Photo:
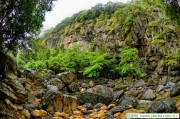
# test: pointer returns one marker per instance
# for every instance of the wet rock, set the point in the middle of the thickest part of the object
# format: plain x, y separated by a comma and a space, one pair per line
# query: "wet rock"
139, 83
148, 95
163, 106
175, 90
66, 77
56, 82
96, 95
128, 101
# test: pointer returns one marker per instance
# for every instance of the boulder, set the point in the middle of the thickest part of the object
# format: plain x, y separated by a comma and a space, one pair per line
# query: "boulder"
117, 95
165, 105
66, 77
97, 94
159, 88
31, 74
74, 86
148, 95
88, 106
52, 88
57, 102
14, 90
98, 105
139, 83
175, 90
128, 101
56, 82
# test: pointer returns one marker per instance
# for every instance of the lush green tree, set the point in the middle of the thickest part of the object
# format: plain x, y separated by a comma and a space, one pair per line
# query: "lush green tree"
20, 19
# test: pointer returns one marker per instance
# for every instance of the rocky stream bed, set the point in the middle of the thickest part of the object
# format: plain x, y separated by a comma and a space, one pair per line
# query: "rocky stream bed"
28, 95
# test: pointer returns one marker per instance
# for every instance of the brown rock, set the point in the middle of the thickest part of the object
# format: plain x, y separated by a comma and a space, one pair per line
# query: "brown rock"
19, 107
104, 108
111, 106
77, 113
57, 118
99, 115
178, 105
36, 113
56, 114
91, 83
66, 77
26, 113
66, 115
83, 109
61, 114
117, 115
43, 113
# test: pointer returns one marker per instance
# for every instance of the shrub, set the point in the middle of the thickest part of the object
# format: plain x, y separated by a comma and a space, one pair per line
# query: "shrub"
36, 65
130, 63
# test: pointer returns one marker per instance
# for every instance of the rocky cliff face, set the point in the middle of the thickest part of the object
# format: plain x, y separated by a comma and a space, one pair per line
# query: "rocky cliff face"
145, 28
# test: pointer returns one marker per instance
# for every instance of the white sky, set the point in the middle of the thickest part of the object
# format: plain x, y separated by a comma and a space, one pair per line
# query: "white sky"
66, 8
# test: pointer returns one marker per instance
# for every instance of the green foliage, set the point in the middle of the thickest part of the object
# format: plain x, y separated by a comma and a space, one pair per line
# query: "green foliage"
38, 51
19, 19
36, 65
77, 60
173, 59
130, 63
99, 64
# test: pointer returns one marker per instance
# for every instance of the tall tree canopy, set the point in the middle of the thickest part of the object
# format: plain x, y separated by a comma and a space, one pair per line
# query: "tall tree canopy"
19, 19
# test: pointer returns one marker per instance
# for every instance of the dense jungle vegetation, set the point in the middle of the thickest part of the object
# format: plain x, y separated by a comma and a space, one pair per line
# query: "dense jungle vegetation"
94, 63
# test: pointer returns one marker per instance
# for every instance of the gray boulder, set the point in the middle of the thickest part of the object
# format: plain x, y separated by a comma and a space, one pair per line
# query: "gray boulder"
175, 90
148, 95
97, 94
128, 101
139, 83
163, 106
56, 82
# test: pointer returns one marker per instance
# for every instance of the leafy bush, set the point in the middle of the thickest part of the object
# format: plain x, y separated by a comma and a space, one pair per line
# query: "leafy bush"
101, 64
36, 65
130, 63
